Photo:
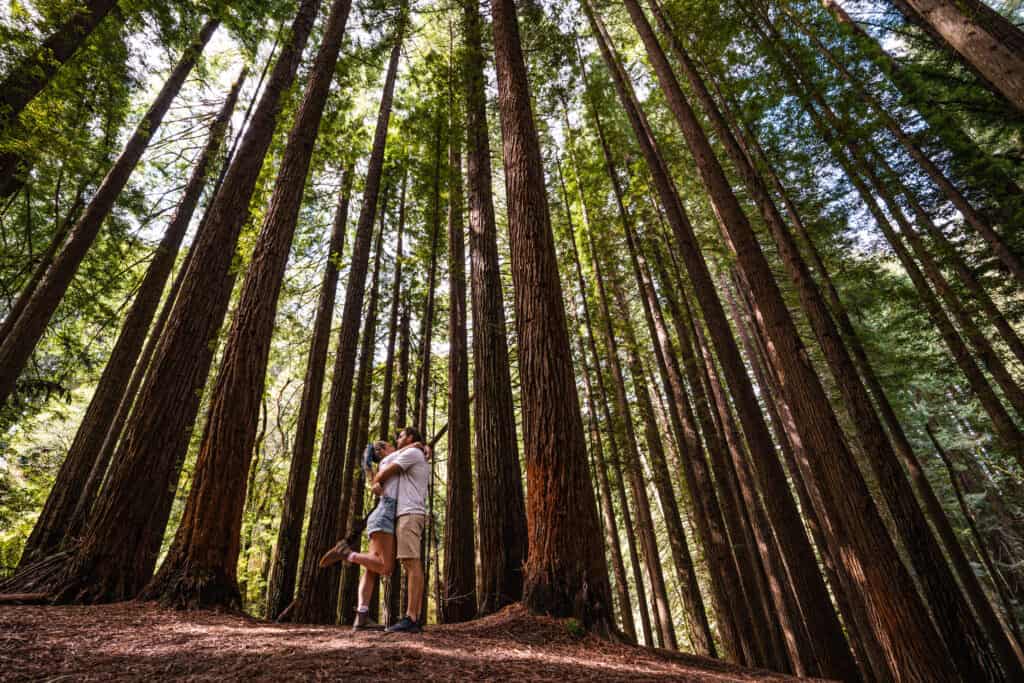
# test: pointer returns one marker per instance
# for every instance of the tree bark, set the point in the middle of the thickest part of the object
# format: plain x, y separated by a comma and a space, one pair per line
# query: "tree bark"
566, 573
459, 591
422, 390
281, 588
54, 520
121, 544
833, 653
318, 590
747, 613
28, 329
501, 513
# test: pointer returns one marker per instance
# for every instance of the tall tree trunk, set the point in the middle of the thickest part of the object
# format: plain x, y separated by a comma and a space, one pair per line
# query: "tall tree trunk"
33, 72
459, 598
994, 47
53, 522
396, 296
360, 425
645, 521
747, 612
566, 573
28, 329
832, 652
953, 615
422, 390
121, 544
501, 513
611, 531
200, 568
392, 590
281, 588
318, 590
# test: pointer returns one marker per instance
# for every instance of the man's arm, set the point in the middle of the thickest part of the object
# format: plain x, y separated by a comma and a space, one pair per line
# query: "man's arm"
385, 473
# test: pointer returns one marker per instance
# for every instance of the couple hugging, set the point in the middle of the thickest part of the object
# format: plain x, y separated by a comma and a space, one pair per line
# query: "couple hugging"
395, 526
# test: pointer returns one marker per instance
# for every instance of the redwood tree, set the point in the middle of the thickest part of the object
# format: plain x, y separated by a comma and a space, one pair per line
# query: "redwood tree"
199, 569
501, 514
566, 574
459, 591
318, 590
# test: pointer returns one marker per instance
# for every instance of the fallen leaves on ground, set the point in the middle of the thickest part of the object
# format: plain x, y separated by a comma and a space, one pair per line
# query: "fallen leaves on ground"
143, 641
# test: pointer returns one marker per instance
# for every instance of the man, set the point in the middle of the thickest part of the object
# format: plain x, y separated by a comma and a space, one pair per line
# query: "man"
411, 465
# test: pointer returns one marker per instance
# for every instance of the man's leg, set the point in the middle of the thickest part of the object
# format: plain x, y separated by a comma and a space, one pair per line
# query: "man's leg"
413, 569
409, 532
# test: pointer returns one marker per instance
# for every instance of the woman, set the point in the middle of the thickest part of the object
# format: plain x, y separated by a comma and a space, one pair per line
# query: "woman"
380, 529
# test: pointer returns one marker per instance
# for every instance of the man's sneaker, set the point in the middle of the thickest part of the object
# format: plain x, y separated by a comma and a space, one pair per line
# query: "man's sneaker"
363, 622
338, 553
406, 625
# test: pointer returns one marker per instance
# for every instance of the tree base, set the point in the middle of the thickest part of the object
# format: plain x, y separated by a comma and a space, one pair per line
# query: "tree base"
184, 586
40, 576
555, 600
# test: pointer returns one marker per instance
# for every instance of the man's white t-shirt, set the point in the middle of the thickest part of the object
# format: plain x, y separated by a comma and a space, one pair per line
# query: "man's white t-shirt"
415, 480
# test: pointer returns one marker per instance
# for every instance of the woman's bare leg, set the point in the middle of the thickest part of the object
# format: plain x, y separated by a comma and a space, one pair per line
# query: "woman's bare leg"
377, 561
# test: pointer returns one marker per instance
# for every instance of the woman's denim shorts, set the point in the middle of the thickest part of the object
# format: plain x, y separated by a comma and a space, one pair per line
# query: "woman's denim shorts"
383, 517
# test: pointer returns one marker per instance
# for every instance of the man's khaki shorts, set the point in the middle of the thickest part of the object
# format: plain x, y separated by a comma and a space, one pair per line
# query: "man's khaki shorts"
409, 532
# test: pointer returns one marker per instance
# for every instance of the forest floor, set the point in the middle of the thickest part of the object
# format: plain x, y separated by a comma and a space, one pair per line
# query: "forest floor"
143, 641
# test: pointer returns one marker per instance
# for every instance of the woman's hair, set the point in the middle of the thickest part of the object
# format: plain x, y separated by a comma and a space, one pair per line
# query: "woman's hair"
378, 447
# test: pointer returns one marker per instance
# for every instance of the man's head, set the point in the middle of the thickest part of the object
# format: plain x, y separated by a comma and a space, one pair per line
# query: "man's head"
407, 436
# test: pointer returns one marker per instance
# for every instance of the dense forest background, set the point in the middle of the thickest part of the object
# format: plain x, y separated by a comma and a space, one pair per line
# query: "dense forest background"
894, 164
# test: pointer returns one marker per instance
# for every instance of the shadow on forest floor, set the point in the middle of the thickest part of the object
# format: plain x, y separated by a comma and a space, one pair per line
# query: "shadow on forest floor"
133, 640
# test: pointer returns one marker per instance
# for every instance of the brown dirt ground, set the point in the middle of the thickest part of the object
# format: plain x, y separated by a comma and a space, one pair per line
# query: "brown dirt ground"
142, 641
